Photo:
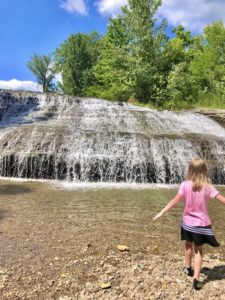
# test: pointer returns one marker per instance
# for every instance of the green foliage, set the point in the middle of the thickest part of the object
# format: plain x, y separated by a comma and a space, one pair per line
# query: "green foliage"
115, 93
181, 87
113, 72
41, 67
129, 55
176, 49
174, 52
208, 64
136, 60
97, 91
75, 59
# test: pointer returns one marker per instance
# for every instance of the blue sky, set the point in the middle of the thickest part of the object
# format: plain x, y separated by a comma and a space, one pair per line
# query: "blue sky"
28, 26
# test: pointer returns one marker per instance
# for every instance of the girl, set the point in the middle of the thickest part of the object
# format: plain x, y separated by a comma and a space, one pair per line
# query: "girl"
196, 224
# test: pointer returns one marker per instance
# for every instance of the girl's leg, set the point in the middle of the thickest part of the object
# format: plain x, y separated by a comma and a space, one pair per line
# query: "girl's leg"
188, 253
198, 261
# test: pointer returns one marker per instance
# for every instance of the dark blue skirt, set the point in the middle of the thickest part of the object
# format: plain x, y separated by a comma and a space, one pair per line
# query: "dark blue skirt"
199, 235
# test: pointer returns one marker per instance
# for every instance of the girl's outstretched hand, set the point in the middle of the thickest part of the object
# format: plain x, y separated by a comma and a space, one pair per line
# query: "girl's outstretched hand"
169, 206
158, 216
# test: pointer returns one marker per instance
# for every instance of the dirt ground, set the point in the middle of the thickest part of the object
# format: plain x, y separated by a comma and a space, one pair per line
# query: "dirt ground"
62, 244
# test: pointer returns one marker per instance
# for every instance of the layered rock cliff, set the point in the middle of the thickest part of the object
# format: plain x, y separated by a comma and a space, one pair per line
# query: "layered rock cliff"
61, 137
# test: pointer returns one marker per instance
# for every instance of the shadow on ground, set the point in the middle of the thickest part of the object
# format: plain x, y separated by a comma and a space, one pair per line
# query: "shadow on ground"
8, 189
2, 215
216, 273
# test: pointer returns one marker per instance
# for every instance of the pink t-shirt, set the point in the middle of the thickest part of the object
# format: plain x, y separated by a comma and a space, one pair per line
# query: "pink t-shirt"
196, 203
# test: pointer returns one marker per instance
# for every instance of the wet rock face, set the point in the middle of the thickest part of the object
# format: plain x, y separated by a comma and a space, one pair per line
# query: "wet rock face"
216, 114
11, 108
61, 137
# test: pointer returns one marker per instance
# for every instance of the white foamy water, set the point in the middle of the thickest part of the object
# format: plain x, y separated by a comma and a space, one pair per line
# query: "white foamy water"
90, 140
107, 185
65, 185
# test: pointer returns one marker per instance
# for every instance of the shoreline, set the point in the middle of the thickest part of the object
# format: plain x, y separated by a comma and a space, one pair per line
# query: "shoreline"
77, 185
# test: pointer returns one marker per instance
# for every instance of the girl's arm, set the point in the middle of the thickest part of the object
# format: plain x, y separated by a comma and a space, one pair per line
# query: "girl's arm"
220, 198
169, 206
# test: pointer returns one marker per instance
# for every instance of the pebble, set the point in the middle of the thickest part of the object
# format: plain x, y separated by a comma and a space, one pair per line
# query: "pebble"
142, 277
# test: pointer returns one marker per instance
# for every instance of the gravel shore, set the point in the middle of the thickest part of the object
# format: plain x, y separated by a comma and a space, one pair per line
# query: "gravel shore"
58, 245
130, 276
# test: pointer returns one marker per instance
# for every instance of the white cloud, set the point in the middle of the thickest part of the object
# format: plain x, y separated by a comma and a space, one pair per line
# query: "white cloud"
72, 6
193, 15
109, 7
15, 84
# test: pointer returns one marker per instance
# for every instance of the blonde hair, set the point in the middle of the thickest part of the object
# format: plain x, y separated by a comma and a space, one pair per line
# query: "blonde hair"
198, 174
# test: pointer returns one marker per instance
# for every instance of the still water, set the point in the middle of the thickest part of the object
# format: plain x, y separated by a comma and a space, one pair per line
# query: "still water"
103, 216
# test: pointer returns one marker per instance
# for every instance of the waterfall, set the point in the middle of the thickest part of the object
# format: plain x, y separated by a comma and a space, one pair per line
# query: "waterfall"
82, 139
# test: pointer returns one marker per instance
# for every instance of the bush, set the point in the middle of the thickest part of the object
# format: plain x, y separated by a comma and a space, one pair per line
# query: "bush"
114, 93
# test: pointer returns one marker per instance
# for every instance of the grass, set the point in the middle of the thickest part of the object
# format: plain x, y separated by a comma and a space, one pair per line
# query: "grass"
208, 101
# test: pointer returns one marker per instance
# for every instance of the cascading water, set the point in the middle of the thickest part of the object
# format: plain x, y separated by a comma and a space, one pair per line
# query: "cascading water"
61, 137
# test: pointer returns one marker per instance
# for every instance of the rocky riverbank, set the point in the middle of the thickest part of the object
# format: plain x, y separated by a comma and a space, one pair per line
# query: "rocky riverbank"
129, 275
62, 245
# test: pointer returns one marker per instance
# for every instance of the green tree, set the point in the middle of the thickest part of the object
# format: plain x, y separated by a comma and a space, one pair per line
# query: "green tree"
174, 63
182, 88
208, 65
41, 67
177, 49
75, 59
113, 72
128, 61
